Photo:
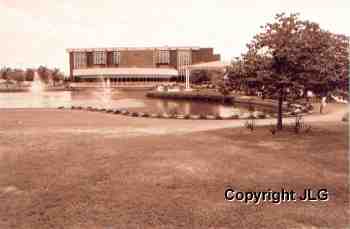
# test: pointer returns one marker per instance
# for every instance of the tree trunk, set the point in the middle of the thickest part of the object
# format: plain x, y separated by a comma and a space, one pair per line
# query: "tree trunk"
279, 113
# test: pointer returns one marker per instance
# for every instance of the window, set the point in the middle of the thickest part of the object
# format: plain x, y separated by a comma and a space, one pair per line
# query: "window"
115, 57
100, 57
79, 59
163, 57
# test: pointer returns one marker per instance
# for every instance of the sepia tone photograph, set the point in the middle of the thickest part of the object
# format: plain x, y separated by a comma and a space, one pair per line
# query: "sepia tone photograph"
174, 114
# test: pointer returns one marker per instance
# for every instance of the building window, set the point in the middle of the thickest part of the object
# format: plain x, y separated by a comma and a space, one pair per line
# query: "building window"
79, 59
100, 57
115, 57
163, 57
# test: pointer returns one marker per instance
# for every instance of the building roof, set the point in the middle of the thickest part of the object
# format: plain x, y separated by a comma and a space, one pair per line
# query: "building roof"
133, 48
213, 65
122, 72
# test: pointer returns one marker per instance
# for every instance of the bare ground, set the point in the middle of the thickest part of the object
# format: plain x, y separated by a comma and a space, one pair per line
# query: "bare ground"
75, 169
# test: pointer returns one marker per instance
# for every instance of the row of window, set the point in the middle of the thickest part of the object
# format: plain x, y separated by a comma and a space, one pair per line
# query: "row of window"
79, 59
99, 57
161, 57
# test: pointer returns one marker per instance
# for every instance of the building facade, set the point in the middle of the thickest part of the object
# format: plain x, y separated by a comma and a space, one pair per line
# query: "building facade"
135, 64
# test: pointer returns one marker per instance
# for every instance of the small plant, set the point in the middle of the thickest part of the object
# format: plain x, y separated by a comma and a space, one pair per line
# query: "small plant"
273, 130
298, 124
250, 124
173, 112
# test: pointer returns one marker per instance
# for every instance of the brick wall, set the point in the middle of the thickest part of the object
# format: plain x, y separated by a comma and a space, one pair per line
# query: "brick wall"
204, 55
137, 58
173, 58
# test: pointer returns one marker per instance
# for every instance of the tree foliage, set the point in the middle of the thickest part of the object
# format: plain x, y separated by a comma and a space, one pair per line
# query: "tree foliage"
46, 75
291, 56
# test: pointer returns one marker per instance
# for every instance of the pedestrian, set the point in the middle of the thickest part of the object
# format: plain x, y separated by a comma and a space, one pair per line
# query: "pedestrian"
323, 104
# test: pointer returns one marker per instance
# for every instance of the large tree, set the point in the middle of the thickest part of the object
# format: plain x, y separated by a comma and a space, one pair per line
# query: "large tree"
291, 56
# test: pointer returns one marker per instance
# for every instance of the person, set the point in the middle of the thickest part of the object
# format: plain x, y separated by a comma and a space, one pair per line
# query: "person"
323, 104
309, 95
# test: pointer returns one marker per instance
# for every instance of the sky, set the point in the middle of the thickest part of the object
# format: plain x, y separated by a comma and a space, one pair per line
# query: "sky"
38, 32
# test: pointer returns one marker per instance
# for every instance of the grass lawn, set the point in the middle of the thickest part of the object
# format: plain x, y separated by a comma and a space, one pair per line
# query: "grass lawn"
56, 173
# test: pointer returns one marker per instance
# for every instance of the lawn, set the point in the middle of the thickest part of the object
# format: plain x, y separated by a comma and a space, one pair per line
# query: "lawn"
63, 169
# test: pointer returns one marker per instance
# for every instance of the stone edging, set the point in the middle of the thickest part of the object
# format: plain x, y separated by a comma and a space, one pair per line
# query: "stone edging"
125, 112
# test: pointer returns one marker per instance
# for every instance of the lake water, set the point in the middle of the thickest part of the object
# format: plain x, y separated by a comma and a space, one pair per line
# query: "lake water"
133, 100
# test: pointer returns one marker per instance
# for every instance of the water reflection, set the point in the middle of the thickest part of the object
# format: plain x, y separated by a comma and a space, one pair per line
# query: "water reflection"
35, 100
113, 98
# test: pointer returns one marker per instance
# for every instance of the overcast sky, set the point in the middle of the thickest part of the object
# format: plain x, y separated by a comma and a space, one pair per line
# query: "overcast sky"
37, 32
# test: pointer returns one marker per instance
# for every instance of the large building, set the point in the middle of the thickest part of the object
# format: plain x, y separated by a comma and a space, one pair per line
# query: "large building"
136, 64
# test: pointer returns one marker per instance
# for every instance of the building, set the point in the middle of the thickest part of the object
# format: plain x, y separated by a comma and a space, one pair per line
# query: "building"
153, 64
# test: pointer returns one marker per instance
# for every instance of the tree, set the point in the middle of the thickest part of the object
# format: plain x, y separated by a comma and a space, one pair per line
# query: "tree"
29, 74
44, 74
17, 75
291, 56
57, 76
5, 74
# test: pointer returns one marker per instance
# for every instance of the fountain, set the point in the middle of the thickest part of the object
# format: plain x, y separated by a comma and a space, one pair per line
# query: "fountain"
106, 92
37, 86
